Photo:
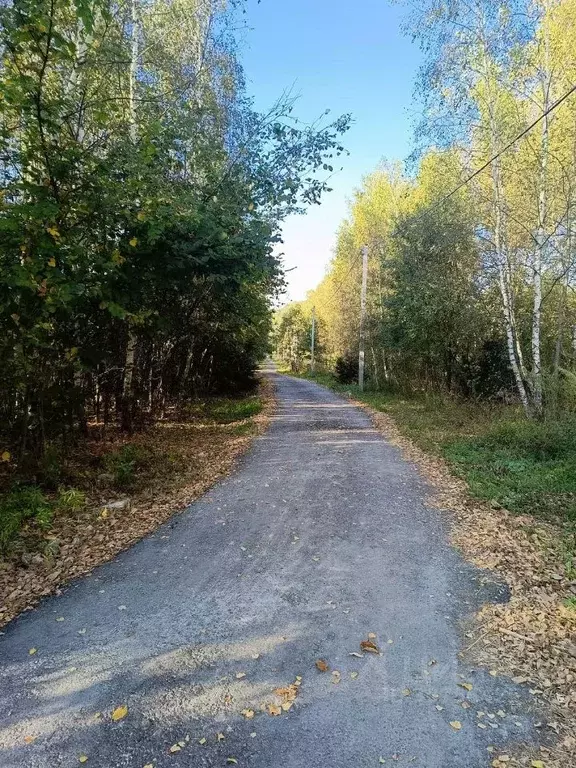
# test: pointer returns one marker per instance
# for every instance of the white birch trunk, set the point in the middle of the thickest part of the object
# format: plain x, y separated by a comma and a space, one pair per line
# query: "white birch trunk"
133, 70
540, 256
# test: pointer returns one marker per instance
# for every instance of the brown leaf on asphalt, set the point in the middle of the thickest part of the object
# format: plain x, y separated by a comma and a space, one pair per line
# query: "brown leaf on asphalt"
322, 666
371, 636
29, 739
274, 710
369, 647
248, 713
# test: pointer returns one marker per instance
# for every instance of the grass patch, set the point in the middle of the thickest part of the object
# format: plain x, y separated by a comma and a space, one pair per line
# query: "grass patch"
524, 466
125, 463
20, 507
225, 410
527, 467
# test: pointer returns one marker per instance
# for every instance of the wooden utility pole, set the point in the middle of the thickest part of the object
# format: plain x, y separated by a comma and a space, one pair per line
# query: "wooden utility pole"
362, 316
313, 341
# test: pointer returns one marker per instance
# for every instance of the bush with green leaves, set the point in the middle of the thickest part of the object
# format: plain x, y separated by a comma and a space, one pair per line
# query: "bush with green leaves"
22, 505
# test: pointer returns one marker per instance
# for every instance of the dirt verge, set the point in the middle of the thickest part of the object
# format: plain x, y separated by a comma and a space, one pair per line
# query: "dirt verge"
199, 454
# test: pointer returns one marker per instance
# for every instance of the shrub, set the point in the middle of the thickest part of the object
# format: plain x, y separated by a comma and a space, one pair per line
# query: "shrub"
70, 500
125, 462
20, 505
346, 370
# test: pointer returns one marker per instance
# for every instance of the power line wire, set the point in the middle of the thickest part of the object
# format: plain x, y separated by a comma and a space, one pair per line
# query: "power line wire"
339, 283
508, 146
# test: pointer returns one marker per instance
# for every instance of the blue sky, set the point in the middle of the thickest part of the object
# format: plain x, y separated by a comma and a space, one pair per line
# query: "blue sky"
346, 57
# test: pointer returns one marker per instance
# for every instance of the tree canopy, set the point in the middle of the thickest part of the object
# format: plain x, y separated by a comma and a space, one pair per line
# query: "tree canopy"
141, 198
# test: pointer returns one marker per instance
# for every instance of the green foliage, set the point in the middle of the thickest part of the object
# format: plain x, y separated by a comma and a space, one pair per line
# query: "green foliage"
22, 505
292, 336
525, 467
346, 370
225, 410
70, 500
141, 201
228, 411
125, 463
570, 602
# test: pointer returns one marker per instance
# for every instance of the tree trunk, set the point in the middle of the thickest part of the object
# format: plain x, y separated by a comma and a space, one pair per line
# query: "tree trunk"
127, 414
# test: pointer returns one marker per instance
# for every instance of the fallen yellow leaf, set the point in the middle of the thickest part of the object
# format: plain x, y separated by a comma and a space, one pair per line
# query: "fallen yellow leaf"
232, 761
466, 686
537, 764
456, 724
52, 262
119, 713
134, 242
29, 739
274, 710
240, 675
32, 651
220, 736
149, 765
175, 748
202, 740
83, 759
248, 713
6, 456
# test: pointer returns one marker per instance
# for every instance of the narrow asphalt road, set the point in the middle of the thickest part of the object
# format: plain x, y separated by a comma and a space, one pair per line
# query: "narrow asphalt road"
319, 538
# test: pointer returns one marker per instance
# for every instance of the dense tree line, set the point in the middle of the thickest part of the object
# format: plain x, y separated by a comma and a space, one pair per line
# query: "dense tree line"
470, 291
141, 197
